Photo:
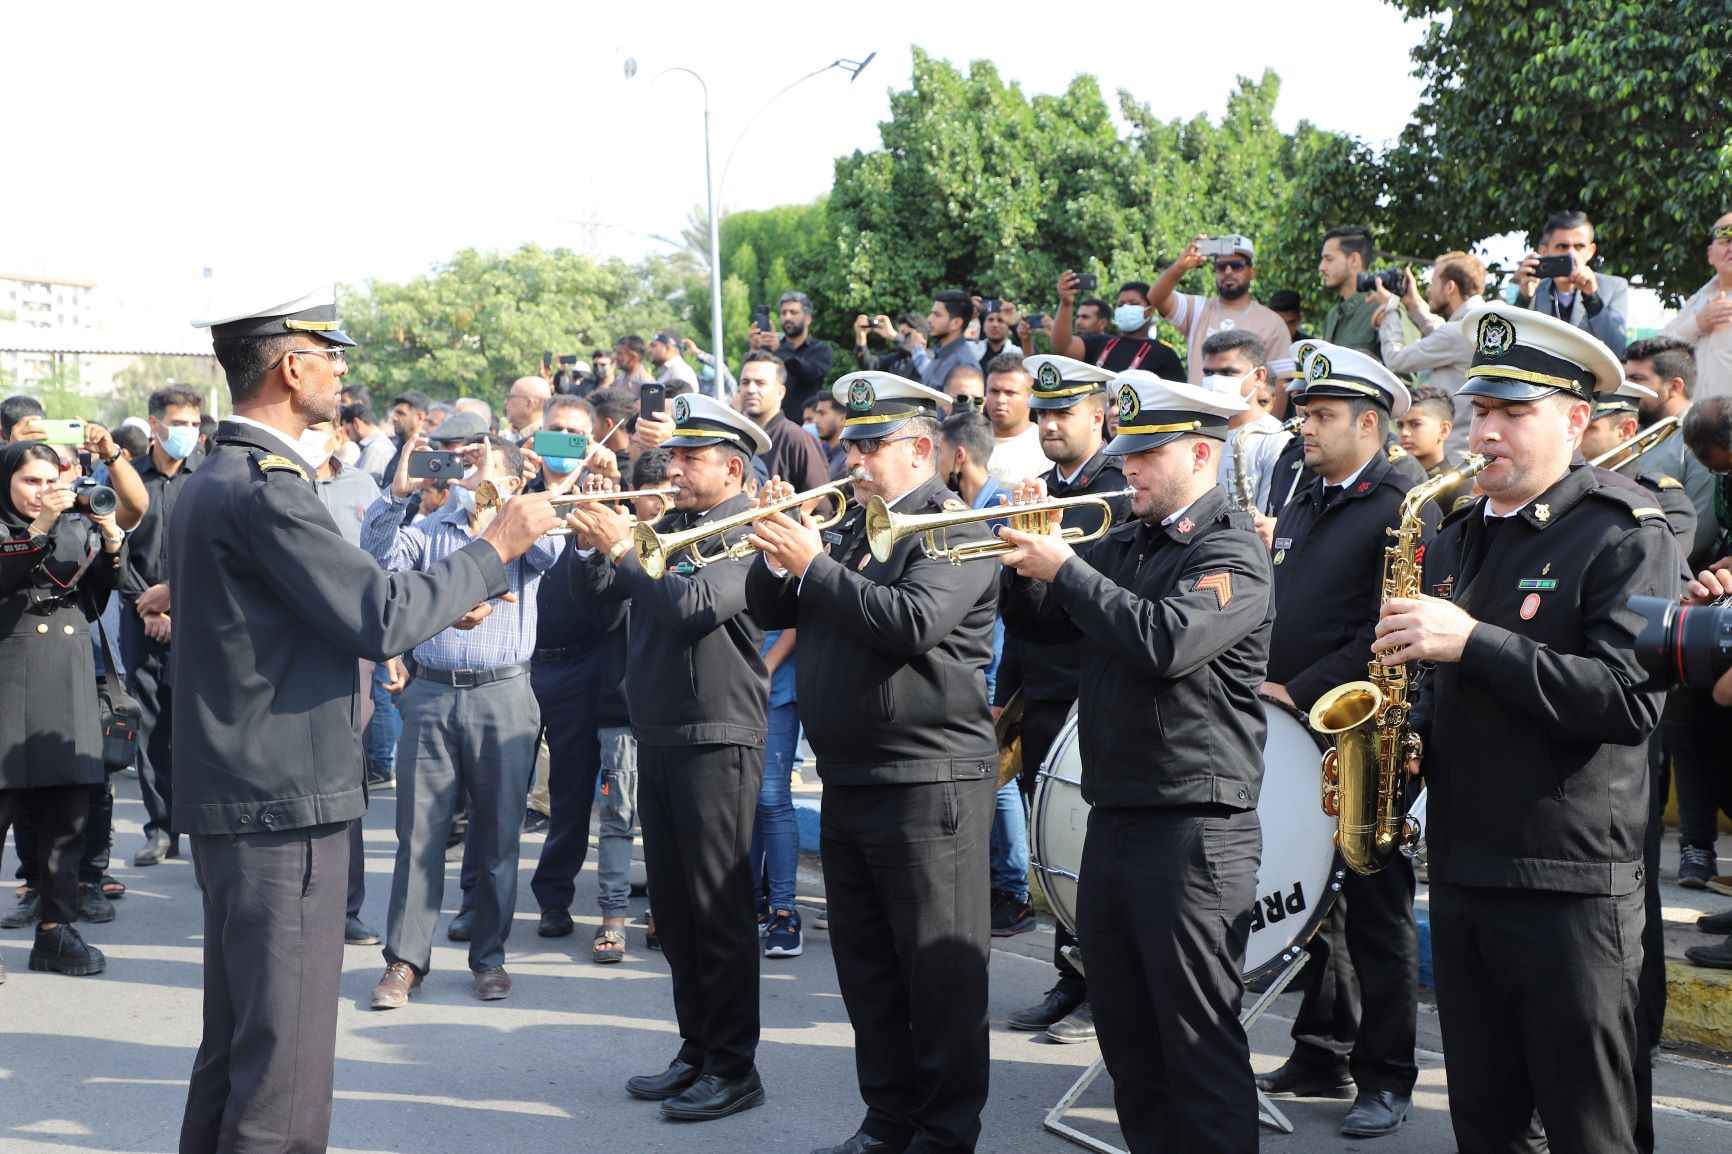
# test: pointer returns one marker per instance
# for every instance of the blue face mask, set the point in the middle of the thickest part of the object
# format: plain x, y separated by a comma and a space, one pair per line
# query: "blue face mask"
562, 465
811, 427
180, 442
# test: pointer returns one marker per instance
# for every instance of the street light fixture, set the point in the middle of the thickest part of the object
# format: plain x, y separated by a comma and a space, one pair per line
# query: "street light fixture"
852, 67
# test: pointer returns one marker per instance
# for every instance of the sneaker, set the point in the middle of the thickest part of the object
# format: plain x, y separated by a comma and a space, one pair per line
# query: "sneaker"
822, 921
25, 913
61, 951
1011, 915
534, 821
381, 778
93, 904
782, 938
1695, 867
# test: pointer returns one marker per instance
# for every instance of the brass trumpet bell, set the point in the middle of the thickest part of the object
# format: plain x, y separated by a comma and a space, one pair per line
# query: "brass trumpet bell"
656, 550
885, 528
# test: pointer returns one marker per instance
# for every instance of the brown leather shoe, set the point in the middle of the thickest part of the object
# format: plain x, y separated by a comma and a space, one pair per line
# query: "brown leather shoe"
493, 984
395, 987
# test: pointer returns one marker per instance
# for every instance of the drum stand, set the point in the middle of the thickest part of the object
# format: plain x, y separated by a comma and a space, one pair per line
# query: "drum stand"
1267, 1112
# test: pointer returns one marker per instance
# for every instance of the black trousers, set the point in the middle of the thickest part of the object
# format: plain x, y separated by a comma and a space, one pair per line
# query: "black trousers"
1698, 733
1360, 988
907, 877
567, 697
273, 961
147, 678
48, 823
94, 844
1164, 910
1041, 721
696, 805
1536, 997
1651, 985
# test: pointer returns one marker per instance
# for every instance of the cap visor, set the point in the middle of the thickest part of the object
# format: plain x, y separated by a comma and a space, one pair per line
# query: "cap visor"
694, 442
872, 432
337, 337
1057, 402
1139, 442
1504, 389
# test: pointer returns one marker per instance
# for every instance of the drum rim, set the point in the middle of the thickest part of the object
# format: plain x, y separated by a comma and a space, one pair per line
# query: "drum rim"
1284, 957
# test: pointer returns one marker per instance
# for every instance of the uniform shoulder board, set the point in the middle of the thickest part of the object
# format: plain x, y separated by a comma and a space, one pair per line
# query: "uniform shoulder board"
1395, 452
1631, 496
276, 463
954, 505
1667, 482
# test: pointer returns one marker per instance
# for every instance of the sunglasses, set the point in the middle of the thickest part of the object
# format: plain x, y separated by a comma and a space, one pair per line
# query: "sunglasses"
1231, 266
870, 445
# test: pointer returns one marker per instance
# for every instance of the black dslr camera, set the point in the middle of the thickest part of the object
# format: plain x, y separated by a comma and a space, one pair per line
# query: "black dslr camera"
1688, 645
1394, 279
92, 498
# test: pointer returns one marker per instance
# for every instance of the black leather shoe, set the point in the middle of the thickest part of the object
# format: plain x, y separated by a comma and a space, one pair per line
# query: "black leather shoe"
1302, 1080
676, 1079
715, 1097
358, 933
1716, 957
1376, 1113
25, 913
1720, 923
1054, 1008
1076, 1026
862, 1143
61, 951
458, 930
93, 905
555, 923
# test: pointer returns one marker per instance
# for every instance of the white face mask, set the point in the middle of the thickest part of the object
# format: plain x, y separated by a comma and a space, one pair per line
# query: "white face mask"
1225, 385
315, 447
1129, 318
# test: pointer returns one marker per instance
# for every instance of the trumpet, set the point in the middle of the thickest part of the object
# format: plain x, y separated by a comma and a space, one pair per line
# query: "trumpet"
487, 496
1649, 438
885, 528
655, 550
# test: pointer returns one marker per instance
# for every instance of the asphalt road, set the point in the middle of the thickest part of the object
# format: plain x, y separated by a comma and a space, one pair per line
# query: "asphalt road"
101, 1063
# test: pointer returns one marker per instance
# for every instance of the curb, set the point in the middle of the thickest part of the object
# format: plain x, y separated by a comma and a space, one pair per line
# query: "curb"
1698, 1005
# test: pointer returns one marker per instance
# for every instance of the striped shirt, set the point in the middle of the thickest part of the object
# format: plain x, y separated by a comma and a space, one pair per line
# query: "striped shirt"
507, 635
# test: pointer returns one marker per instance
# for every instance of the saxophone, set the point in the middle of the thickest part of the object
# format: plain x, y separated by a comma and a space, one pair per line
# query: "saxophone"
1244, 489
1363, 773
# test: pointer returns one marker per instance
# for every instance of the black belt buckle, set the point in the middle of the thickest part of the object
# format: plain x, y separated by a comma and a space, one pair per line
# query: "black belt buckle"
464, 679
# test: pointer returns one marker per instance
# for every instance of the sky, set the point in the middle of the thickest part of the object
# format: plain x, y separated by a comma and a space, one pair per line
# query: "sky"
320, 142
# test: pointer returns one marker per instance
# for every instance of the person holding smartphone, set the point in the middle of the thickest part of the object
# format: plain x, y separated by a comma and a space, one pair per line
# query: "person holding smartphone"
1558, 279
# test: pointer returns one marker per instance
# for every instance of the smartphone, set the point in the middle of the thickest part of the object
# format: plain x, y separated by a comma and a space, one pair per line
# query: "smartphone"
650, 399
1036, 321
1087, 282
570, 359
551, 443
988, 306
1214, 246
546, 360
62, 432
1555, 266
436, 464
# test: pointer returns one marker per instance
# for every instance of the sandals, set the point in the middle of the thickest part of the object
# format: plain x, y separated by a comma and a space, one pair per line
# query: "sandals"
609, 947
112, 889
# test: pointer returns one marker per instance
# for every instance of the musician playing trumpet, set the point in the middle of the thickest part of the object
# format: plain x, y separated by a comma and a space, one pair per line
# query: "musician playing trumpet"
1174, 608
892, 694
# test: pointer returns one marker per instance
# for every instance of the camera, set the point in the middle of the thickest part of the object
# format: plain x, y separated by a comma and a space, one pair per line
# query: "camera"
93, 498
1688, 645
1394, 279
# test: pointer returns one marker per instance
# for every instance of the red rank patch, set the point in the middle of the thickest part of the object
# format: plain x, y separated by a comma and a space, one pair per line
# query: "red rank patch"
1220, 583
1530, 606
1185, 525
1362, 487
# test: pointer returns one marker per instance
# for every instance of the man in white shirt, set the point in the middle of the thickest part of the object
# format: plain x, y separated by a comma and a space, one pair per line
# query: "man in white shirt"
1231, 308
1016, 452
1706, 322
1444, 350
664, 353
1232, 363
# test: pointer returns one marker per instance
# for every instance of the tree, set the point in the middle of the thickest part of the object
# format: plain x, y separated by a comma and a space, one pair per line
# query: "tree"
483, 319
1611, 106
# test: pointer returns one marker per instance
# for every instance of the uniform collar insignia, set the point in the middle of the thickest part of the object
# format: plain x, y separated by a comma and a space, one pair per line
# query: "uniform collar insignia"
1542, 513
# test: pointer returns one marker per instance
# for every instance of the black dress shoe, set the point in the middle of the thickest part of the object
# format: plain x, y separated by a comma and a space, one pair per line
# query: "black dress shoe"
676, 1079
1054, 1008
93, 904
863, 1143
1376, 1113
25, 913
458, 930
1720, 923
712, 1096
555, 923
1303, 1080
358, 933
1716, 957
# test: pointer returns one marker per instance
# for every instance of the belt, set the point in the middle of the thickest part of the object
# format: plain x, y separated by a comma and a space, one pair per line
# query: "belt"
560, 653
470, 678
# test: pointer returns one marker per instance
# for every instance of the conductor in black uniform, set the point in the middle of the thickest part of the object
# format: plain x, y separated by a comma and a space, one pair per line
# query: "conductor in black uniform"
1175, 611
272, 607
892, 693
1069, 401
698, 695
1360, 1011
1535, 717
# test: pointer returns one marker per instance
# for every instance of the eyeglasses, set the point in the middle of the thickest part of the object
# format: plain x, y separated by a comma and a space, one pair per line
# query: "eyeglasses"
1231, 265
335, 356
870, 445
1721, 234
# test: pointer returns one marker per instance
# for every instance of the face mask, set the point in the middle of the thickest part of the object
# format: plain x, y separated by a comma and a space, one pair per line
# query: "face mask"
315, 447
1225, 385
1129, 318
180, 442
811, 427
562, 465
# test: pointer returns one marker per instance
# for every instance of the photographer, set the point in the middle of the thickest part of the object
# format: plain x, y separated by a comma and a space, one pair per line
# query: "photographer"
905, 337
1232, 308
54, 572
1444, 349
1347, 252
1593, 302
808, 359
1133, 348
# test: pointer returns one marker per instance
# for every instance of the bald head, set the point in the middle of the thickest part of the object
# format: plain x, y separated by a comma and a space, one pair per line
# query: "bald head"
524, 402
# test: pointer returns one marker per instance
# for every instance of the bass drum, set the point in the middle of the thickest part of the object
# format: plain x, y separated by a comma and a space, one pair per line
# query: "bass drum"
1297, 880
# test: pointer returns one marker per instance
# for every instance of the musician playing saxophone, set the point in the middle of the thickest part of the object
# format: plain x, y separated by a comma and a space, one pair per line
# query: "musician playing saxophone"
1534, 715
1174, 611
1328, 561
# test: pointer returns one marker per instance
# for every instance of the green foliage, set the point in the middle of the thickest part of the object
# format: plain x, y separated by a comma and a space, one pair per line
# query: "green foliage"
483, 319
134, 384
1611, 106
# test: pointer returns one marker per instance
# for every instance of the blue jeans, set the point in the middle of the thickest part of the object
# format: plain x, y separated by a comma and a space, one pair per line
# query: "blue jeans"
776, 836
385, 728
1010, 843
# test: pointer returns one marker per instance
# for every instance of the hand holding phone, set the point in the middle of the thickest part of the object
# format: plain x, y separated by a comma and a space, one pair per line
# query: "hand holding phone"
650, 399
70, 432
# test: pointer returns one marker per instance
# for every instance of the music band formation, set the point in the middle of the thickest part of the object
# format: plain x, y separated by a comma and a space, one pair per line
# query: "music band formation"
1181, 628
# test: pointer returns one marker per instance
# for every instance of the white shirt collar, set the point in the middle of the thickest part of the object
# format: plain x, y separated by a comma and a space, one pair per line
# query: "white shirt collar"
1353, 476
281, 437
1176, 514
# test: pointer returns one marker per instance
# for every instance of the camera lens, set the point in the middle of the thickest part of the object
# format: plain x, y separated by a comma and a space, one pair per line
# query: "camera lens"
1688, 645
97, 500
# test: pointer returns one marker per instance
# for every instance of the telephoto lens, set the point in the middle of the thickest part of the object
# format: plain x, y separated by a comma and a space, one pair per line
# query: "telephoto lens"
97, 500
1688, 645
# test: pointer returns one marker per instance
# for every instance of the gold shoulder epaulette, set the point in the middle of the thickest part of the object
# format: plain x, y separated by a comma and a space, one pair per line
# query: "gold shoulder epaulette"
954, 505
1666, 482
1648, 511
276, 463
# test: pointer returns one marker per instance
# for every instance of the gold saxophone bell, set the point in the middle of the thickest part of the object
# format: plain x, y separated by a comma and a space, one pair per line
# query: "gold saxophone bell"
885, 528
655, 550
